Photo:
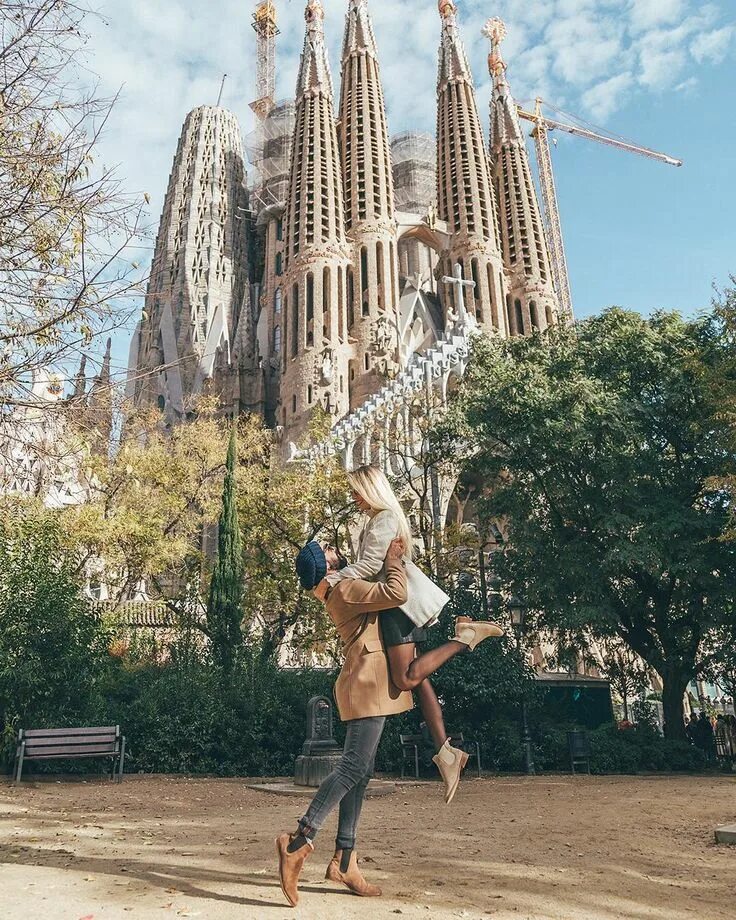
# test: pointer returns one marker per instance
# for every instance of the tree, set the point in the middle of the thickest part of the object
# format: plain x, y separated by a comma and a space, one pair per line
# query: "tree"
65, 222
150, 504
281, 508
600, 446
224, 611
625, 671
52, 649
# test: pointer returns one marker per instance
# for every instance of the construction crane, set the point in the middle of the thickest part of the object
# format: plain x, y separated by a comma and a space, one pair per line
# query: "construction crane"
266, 29
553, 227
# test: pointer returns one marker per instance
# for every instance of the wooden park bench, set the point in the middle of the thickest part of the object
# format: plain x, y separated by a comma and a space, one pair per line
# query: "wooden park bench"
412, 744
71, 744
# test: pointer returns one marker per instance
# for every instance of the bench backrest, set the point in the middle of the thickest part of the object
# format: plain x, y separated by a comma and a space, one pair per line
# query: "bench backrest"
70, 742
411, 739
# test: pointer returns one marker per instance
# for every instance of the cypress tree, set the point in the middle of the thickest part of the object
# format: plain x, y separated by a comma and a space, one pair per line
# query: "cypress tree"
224, 613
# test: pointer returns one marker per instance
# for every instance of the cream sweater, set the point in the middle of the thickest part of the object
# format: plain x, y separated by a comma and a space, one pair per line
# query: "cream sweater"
425, 600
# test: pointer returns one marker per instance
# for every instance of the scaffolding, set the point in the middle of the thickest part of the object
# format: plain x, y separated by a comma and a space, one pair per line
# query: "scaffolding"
268, 148
266, 29
414, 159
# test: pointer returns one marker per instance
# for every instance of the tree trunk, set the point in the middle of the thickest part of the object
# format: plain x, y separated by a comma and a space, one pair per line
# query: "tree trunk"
674, 684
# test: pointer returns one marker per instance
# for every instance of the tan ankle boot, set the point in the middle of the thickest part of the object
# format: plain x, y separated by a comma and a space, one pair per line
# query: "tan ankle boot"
290, 866
451, 763
473, 632
353, 878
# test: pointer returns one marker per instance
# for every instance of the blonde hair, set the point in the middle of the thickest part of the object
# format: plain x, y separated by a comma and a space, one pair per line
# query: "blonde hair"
372, 485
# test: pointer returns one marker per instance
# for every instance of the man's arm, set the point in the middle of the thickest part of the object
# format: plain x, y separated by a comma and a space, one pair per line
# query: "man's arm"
369, 597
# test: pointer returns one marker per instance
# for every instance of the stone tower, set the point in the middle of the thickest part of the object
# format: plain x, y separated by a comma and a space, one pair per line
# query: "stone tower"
531, 303
464, 190
314, 344
372, 289
199, 276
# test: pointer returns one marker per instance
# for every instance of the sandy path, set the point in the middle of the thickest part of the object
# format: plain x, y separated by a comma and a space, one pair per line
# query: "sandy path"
546, 848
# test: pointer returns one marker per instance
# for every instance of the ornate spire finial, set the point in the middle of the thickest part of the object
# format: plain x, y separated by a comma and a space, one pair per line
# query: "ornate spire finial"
495, 31
314, 12
447, 8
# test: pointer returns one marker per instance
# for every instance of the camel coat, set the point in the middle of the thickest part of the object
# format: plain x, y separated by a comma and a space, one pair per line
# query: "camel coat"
364, 686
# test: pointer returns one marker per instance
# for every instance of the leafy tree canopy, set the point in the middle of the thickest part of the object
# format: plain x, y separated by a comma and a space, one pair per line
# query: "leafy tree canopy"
604, 449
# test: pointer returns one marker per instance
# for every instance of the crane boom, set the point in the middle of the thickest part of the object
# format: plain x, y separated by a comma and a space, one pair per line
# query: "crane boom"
551, 209
552, 125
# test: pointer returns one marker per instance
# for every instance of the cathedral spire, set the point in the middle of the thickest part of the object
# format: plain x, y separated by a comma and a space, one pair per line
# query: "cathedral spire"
464, 191
369, 206
200, 265
505, 123
531, 304
453, 64
314, 339
314, 68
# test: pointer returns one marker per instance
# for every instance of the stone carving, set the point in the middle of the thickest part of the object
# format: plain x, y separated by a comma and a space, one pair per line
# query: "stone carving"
326, 368
381, 339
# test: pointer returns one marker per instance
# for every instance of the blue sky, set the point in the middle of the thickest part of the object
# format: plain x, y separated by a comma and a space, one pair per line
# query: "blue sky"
661, 72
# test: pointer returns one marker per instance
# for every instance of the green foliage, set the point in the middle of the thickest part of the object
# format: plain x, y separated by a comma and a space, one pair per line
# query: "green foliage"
600, 448
641, 749
224, 612
182, 719
52, 649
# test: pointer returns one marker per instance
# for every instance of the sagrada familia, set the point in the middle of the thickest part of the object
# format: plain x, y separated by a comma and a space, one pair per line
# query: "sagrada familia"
349, 257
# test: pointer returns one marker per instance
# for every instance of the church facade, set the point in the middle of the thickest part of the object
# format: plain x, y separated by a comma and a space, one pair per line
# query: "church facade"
323, 278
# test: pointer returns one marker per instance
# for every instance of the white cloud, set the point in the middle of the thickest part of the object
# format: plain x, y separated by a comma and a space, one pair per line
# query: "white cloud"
648, 14
714, 45
606, 97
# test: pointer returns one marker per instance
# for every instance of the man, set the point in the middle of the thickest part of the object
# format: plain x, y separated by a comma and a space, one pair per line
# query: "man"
365, 695
691, 729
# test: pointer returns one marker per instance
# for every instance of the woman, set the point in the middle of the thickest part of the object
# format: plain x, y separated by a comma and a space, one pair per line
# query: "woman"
403, 628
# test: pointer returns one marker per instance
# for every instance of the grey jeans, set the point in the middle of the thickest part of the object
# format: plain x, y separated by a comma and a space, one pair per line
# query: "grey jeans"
347, 783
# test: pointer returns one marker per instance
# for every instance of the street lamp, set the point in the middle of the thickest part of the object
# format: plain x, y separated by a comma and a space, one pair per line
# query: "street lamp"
518, 610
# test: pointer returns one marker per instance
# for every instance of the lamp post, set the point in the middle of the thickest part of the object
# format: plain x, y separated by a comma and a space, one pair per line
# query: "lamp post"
518, 610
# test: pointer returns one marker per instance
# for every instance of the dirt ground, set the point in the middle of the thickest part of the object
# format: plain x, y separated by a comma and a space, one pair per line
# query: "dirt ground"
544, 848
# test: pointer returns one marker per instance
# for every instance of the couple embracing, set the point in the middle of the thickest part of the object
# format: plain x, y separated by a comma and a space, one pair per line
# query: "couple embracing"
382, 606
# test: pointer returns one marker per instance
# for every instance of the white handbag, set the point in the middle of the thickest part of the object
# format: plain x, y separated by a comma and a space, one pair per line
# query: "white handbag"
425, 599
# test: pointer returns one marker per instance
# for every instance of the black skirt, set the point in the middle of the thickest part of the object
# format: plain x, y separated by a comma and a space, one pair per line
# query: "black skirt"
398, 629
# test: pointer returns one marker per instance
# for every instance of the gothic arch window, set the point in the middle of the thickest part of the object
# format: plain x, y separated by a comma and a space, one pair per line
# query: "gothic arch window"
509, 317
534, 315
310, 309
340, 305
379, 274
277, 301
519, 317
280, 229
351, 298
293, 403
326, 298
279, 264
476, 290
549, 314
310, 394
277, 340
367, 361
285, 333
365, 305
295, 321
492, 295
